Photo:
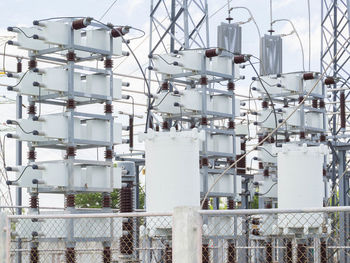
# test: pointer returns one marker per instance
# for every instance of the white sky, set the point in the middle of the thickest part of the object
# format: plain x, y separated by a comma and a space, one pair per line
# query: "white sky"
136, 13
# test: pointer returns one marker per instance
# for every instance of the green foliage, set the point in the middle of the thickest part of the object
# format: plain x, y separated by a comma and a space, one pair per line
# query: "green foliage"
255, 203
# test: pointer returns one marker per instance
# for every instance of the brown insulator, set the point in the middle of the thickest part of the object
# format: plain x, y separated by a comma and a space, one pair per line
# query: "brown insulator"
324, 172
255, 232
205, 253
203, 81
260, 138
302, 135
264, 104
287, 139
107, 255
308, 76
193, 125
157, 128
176, 126
70, 200
31, 110
230, 86
300, 99
288, 254
108, 63
256, 221
80, 24
266, 172
231, 125
231, 253
108, 154
329, 81
34, 201
239, 59
32, 64
210, 53
322, 138
70, 104
108, 108
165, 125
128, 225
34, 255
342, 110
31, 155
71, 151
19, 67
165, 86
231, 204
302, 253
241, 164
126, 199
272, 139
268, 251
204, 121
126, 244
119, 31
205, 204
168, 254
204, 161
261, 165
323, 252
70, 56
131, 132
268, 205
106, 201
314, 103
322, 104
70, 255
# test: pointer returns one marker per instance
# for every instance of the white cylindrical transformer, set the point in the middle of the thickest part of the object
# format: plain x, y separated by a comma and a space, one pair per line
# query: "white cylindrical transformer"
172, 169
300, 183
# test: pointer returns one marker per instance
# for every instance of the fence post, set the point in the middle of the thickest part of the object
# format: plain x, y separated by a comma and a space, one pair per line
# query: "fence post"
3, 238
187, 235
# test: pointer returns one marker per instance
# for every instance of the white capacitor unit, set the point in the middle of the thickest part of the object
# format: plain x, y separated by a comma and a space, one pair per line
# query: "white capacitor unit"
300, 184
172, 180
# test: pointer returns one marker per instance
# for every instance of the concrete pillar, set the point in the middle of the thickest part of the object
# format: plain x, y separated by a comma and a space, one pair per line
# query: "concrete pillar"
187, 235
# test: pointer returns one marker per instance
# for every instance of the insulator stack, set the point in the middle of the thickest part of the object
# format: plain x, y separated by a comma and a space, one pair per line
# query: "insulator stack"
204, 121
31, 110
70, 104
108, 63
205, 204
106, 201
71, 56
32, 64
308, 76
266, 172
323, 252
210, 53
70, 255
288, 254
342, 111
230, 204
165, 126
268, 250
231, 252
204, 161
314, 103
31, 155
239, 59
261, 165
19, 67
126, 199
302, 135
231, 125
34, 201
71, 151
108, 108
242, 164
203, 81
168, 254
300, 99
205, 253
230, 86
70, 200
127, 240
322, 104
157, 128
329, 81
264, 104
108, 154
302, 253
34, 255
107, 255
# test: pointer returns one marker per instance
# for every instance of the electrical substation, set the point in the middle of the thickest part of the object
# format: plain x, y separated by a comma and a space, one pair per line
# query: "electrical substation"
224, 157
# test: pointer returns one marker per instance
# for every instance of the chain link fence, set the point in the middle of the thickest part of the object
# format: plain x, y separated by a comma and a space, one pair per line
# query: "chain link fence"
228, 236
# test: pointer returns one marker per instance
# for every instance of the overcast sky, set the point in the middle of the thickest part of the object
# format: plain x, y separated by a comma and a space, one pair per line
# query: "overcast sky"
136, 13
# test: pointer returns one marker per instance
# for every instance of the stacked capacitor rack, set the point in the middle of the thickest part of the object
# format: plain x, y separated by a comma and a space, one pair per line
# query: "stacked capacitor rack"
70, 42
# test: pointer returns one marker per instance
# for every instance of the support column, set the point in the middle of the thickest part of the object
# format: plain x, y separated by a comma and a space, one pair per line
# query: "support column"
187, 235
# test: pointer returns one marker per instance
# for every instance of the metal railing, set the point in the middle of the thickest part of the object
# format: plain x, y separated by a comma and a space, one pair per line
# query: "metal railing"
228, 236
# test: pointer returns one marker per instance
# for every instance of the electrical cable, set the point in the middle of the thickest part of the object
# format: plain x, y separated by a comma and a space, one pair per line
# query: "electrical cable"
3, 58
161, 99
19, 125
267, 190
296, 32
109, 8
272, 155
252, 17
20, 176
20, 80
24, 33
268, 95
274, 130
309, 17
